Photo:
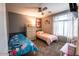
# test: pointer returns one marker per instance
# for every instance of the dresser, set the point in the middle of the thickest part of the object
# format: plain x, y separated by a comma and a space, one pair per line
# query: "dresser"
31, 32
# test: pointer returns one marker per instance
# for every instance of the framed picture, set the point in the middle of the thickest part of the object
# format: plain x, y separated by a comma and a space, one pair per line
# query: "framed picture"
38, 23
47, 21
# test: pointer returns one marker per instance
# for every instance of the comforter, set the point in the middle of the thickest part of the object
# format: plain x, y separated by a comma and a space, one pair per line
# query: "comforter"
49, 38
19, 45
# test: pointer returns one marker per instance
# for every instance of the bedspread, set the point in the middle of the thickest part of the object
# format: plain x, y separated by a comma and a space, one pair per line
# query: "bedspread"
19, 45
46, 37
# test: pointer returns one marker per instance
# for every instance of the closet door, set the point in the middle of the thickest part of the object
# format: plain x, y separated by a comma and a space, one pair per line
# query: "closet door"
3, 31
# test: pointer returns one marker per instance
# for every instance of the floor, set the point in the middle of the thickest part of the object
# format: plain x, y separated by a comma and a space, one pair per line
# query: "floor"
52, 50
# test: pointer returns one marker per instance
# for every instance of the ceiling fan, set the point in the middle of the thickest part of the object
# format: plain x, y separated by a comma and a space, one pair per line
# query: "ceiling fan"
40, 9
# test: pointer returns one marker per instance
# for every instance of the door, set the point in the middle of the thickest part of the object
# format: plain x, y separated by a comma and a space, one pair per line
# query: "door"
3, 31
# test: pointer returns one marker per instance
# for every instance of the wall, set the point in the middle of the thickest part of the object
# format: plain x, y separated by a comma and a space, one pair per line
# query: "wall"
77, 49
18, 21
3, 31
45, 26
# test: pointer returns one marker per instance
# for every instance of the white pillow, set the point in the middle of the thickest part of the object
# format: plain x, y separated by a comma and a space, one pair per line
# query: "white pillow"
40, 32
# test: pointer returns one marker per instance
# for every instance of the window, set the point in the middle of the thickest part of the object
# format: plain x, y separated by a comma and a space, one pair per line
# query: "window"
58, 28
65, 24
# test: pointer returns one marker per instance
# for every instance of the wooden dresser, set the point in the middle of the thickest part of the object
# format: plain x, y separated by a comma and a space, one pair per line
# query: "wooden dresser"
31, 32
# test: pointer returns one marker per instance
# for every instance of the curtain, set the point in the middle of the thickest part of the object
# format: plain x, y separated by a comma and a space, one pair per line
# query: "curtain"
65, 24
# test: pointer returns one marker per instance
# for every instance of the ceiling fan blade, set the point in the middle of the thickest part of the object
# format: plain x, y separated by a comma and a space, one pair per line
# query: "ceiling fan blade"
45, 8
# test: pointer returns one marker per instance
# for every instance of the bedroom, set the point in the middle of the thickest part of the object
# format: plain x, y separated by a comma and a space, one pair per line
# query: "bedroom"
40, 23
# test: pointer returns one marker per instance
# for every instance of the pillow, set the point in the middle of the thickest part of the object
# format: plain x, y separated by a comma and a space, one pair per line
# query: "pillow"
40, 32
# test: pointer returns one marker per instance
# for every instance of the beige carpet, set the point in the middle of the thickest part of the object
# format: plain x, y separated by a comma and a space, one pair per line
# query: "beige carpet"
52, 50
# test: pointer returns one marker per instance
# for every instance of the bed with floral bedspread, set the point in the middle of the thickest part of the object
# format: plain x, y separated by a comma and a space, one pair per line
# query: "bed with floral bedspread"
19, 45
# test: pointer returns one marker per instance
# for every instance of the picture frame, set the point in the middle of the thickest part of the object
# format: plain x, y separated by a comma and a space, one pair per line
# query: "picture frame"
38, 23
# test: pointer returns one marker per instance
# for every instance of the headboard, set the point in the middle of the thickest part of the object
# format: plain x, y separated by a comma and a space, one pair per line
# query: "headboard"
12, 34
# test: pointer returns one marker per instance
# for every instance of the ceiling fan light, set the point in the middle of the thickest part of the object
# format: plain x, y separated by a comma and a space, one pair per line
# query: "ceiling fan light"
42, 13
39, 9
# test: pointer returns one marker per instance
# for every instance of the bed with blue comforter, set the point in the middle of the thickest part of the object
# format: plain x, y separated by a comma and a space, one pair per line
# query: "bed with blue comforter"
19, 45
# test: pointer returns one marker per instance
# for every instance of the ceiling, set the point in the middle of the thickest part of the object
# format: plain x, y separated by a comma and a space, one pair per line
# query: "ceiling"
24, 5
31, 9
56, 7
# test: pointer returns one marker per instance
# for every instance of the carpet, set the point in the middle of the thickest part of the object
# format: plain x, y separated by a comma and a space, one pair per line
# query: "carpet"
52, 50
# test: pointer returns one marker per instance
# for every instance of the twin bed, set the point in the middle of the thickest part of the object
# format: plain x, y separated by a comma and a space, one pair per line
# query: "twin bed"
20, 45
48, 38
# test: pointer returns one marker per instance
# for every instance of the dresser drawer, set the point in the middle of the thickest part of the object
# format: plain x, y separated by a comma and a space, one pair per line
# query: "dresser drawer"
31, 33
31, 37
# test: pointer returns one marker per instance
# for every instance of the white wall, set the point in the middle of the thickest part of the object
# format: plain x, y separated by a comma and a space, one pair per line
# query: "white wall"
3, 31
77, 49
18, 21
47, 27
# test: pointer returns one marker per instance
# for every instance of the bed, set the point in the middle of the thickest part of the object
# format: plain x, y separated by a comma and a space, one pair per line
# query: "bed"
19, 45
48, 38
